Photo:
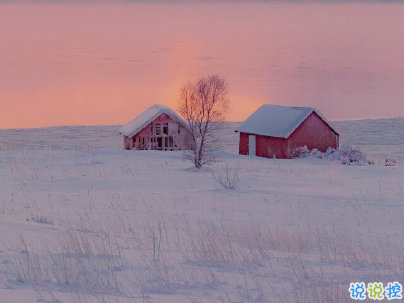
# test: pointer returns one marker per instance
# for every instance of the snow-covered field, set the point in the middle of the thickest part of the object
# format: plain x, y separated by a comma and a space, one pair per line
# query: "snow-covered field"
82, 220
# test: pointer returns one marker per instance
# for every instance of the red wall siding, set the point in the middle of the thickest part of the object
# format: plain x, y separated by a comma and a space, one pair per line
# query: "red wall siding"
313, 133
243, 144
270, 147
265, 146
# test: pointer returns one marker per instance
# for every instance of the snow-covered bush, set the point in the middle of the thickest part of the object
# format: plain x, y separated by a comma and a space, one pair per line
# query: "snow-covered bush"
331, 154
317, 154
38, 219
227, 176
349, 155
346, 154
304, 152
301, 152
390, 161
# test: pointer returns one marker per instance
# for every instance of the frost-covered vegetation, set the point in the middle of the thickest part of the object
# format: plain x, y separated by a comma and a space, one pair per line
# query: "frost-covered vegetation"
108, 225
227, 176
346, 155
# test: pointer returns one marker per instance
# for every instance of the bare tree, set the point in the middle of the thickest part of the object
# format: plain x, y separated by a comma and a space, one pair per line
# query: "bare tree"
203, 104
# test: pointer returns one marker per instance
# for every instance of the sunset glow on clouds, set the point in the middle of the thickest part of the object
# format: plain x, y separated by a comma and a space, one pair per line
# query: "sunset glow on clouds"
86, 64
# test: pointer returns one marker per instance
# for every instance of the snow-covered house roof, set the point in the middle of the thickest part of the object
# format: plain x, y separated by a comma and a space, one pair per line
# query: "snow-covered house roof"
136, 125
277, 121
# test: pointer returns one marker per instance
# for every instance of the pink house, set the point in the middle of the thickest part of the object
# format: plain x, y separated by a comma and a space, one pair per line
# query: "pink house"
277, 131
157, 128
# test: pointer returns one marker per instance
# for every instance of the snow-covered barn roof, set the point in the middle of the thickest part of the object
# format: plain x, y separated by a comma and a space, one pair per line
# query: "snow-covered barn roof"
277, 121
136, 125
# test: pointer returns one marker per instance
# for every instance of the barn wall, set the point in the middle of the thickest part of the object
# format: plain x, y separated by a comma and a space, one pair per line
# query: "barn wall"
271, 147
313, 133
265, 146
179, 139
243, 144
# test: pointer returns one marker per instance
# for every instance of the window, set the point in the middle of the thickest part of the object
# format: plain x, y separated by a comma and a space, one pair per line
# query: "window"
165, 128
151, 129
179, 132
158, 129
171, 143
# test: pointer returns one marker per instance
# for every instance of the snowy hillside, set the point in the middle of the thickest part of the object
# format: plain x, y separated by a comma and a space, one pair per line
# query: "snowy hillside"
378, 138
82, 220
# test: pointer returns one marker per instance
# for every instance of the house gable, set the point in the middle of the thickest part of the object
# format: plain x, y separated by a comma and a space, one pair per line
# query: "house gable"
136, 125
313, 132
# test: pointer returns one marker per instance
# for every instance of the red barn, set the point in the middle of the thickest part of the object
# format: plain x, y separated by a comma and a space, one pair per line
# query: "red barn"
277, 131
159, 128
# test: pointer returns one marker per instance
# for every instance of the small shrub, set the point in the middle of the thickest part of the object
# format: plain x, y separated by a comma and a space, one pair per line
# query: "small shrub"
349, 155
301, 152
317, 154
390, 161
38, 219
228, 177
304, 152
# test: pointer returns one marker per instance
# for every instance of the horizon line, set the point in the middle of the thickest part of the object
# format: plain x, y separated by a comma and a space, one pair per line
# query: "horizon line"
101, 125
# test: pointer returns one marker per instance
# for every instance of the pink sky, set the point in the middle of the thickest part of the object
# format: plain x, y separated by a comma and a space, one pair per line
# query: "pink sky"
86, 64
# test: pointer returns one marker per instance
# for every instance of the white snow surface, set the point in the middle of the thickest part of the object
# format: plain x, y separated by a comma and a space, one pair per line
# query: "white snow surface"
138, 123
276, 120
83, 221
